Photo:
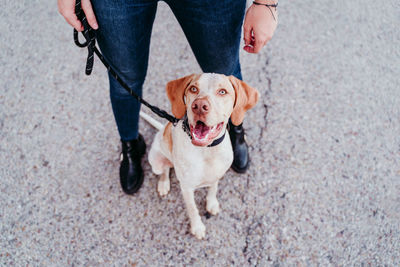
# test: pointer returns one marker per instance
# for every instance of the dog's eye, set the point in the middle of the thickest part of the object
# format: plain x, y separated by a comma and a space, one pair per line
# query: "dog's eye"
222, 92
193, 89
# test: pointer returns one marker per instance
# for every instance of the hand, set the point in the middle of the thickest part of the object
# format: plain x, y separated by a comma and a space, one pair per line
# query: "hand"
67, 10
259, 26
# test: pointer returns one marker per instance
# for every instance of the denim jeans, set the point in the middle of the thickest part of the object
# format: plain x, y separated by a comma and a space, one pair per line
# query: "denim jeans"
212, 28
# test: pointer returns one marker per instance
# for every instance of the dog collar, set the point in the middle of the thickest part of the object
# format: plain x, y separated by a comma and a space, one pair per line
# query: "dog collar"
186, 129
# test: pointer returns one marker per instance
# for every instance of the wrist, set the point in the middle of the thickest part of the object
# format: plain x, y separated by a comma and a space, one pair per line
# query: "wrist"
269, 6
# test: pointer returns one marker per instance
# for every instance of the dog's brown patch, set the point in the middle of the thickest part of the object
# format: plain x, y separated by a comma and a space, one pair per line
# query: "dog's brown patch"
167, 136
246, 98
176, 91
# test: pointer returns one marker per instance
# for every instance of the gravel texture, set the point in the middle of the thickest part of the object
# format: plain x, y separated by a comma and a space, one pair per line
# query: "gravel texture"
324, 185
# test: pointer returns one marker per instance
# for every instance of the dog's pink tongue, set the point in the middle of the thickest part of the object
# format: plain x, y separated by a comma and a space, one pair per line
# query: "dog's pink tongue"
201, 130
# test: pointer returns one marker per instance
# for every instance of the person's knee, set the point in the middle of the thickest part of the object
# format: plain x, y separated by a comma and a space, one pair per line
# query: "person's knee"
134, 82
117, 91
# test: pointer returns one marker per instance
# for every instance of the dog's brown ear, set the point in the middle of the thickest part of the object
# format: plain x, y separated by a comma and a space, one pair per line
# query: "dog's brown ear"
246, 98
175, 93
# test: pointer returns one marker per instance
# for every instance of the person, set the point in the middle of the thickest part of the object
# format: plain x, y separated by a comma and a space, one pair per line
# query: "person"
213, 30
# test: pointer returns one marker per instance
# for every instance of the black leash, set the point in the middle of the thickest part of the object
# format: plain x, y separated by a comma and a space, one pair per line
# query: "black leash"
90, 43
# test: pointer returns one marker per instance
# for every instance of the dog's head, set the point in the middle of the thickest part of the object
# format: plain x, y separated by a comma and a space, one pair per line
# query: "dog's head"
210, 100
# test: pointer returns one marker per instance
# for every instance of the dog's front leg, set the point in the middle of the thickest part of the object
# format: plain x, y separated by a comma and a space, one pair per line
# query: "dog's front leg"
164, 183
197, 227
212, 202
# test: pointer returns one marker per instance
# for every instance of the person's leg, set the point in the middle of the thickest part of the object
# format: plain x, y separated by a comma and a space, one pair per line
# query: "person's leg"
213, 29
124, 39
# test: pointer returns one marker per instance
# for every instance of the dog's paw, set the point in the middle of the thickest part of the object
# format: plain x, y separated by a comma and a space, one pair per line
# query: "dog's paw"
163, 187
213, 207
198, 230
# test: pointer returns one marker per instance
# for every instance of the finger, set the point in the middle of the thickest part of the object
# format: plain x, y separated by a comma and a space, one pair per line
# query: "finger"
259, 42
252, 41
258, 46
74, 22
67, 10
247, 34
88, 9
250, 47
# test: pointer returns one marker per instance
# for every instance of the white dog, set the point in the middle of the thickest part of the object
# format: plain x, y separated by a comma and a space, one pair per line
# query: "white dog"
199, 147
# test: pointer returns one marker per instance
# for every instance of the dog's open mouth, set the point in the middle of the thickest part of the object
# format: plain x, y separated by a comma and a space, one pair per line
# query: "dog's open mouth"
203, 135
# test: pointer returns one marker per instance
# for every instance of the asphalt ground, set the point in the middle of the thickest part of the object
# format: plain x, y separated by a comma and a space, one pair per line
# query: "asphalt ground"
324, 184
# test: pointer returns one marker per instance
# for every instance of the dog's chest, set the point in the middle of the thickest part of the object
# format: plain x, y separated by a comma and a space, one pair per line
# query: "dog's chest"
200, 166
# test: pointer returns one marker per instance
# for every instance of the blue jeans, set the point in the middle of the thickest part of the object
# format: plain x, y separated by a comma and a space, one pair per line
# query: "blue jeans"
212, 27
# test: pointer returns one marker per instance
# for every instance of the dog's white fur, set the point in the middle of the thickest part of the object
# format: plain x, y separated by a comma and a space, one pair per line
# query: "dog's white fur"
199, 166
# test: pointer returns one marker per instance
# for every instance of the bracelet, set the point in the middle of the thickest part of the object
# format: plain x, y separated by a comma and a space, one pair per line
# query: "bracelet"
269, 7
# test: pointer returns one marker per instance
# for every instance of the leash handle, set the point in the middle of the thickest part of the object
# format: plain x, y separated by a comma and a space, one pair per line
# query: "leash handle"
90, 43
89, 35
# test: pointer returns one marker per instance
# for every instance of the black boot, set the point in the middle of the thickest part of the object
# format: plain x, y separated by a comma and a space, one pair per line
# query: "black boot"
130, 171
240, 149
